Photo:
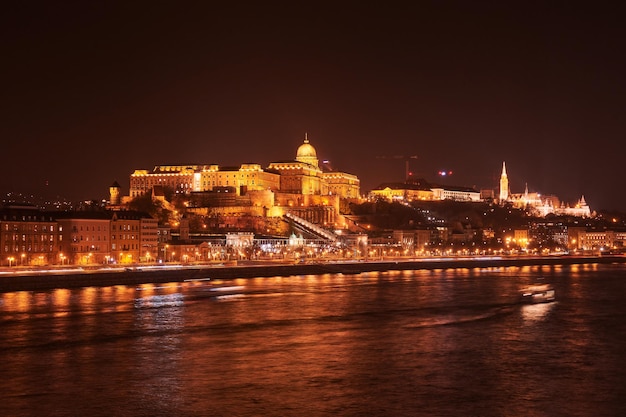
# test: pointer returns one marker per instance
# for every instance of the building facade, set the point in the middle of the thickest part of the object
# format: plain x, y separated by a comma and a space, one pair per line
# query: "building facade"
85, 238
300, 176
540, 205
28, 236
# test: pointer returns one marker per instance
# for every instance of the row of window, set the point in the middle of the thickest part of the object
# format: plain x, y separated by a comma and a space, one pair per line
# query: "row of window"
28, 249
94, 248
124, 247
86, 238
30, 238
125, 237
28, 227
125, 227
75, 229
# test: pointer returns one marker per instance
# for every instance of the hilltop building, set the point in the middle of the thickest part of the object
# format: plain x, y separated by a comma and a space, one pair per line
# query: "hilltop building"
248, 196
304, 176
540, 205
421, 190
300, 176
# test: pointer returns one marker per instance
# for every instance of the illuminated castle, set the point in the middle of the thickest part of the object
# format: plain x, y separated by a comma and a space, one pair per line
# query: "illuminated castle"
304, 176
539, 204
300, 176
298, 186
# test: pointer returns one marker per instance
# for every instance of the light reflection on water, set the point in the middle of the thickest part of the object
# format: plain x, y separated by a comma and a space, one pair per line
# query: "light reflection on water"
398, 343
535, 312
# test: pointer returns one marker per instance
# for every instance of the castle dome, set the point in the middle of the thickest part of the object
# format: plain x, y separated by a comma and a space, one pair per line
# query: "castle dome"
306, 150
306, 153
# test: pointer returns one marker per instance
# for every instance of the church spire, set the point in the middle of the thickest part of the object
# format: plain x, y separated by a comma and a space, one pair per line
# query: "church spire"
504, 185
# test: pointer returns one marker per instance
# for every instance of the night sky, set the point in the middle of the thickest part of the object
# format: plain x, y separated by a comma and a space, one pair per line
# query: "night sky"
93, 90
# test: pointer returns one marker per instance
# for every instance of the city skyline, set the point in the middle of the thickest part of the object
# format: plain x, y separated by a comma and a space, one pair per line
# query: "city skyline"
97, 91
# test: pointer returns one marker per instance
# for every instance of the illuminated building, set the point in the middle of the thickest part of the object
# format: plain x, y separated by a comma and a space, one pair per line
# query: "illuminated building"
504, 185
148, 239
541, 205
28, 236
115, 194
342, 184
455, 193
300, 176
198, 178
247, 177
85, 237
239, 196
304, 176
103, 237
402, 192
420, 190
125, 237
598, 240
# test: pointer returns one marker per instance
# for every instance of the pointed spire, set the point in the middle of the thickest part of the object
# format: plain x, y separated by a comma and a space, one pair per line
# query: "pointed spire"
306, 137
504, 185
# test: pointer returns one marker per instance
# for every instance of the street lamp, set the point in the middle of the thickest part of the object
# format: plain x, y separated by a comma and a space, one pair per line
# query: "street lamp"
10, 259
22, 256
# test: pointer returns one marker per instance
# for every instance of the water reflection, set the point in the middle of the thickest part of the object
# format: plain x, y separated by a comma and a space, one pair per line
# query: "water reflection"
390, 344
536, 312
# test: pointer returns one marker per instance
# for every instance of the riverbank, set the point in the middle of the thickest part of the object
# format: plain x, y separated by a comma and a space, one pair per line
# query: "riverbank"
38, 280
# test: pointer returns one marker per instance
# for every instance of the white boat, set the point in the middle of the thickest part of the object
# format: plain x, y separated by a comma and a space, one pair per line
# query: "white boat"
539, 293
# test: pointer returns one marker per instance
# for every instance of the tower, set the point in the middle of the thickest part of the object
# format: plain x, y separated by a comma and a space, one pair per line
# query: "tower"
114, 192
504, 185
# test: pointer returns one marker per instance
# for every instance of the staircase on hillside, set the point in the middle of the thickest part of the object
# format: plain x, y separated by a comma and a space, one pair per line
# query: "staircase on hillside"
310, 227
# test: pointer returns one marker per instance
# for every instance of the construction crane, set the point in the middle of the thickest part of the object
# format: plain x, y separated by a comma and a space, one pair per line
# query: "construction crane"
406, 162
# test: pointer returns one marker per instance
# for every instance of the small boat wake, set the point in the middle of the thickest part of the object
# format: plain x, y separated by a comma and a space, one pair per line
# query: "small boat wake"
228, 292
462, 316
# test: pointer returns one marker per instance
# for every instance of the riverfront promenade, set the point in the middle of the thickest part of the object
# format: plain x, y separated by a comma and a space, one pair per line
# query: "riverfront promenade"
18, 279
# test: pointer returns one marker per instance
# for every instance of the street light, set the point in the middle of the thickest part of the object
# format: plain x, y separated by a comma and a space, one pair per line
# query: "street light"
10, 259
22, 256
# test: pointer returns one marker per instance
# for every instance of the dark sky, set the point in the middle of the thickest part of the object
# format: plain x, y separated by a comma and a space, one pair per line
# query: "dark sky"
93, 90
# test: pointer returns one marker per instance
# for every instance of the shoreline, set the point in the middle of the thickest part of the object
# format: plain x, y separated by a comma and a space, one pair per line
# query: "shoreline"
26, 280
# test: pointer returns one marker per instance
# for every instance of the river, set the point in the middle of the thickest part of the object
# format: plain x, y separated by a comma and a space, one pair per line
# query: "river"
451, 342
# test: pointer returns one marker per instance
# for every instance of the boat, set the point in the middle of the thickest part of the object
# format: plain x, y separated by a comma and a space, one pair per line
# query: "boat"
538, 293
